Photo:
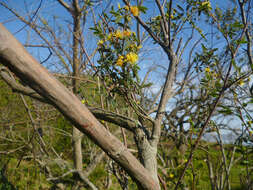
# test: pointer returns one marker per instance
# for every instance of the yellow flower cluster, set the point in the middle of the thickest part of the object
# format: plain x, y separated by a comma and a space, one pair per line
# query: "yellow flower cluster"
135, 10
134, 46
211, 73
207, 69
120, 61
127, 33
100, 42
131, 57
119, 34
241, 82
110, 35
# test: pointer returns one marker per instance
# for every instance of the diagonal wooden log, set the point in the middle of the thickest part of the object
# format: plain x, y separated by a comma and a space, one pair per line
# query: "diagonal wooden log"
14, 56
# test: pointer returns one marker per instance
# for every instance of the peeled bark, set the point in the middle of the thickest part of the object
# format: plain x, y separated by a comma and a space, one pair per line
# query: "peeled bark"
14, 56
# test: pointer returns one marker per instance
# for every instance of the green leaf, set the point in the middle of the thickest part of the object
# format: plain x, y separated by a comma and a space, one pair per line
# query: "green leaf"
181, 8
226, 110
245, 162
118, 19
142, 9
244, 104
204, 49
251, 101
237, 25
243, 41
44, 21
238, 69
214, 94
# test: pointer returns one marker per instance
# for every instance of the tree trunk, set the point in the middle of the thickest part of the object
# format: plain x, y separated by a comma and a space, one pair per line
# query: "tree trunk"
147, 154
76, 134
149, 160
77, 145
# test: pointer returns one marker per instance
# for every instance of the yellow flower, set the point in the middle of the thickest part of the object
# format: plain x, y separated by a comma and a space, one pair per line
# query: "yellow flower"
204, 3
118, 34
139, 47
207, 4
132, 46
131, 57
128, 18
110, 35
134, 10
120, 61
207, 69
126, 8
127, 33
100, 42
83, 101
214, 74
171, 175
241, 82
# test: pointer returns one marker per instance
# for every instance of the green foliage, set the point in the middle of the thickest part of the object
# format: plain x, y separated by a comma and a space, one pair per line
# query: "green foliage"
197, 175
118, 48
26, 176
4, 183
